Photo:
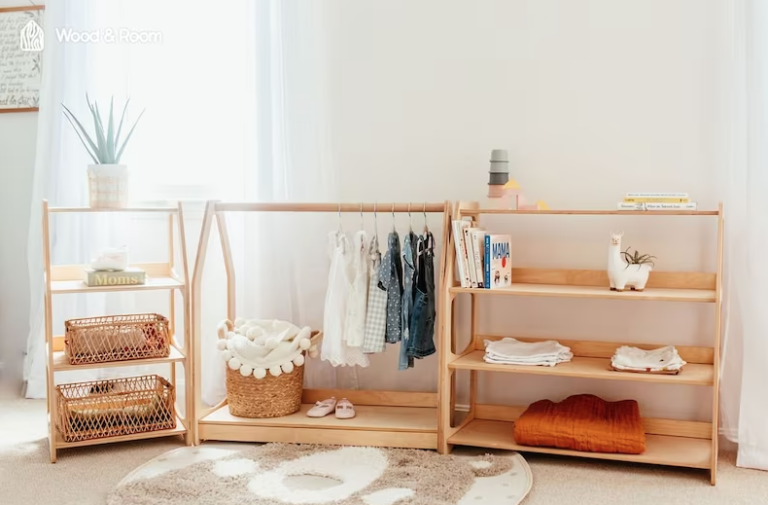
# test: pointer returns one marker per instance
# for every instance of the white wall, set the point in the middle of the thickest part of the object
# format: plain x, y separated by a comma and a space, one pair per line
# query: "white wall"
17, 160
592, 99
18, 133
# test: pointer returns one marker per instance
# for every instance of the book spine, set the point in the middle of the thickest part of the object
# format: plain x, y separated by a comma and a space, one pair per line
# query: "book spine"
487, 265
630, 206
655, 200
458, 238
477, 246
656, 195
470, 255
671, 206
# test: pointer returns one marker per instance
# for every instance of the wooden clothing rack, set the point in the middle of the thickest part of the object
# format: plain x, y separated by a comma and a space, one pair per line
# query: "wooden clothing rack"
384, 418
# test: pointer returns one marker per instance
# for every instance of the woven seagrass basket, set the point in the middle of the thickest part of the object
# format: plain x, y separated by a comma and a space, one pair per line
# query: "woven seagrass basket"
269, 396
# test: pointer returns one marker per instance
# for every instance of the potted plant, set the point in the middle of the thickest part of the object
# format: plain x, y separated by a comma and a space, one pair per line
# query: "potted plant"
107, 178
627, 270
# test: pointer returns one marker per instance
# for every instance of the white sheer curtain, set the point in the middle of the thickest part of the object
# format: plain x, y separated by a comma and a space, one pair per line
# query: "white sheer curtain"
744, 404
280, 258
235, 109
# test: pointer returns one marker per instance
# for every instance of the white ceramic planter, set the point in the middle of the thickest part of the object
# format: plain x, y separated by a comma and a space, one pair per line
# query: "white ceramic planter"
108, 186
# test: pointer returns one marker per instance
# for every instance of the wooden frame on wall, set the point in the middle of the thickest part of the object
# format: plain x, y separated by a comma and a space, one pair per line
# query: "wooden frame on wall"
21, 67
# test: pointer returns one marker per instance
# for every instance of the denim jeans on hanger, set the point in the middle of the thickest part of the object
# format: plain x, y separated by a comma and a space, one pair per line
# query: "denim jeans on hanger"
422, 325
409, 274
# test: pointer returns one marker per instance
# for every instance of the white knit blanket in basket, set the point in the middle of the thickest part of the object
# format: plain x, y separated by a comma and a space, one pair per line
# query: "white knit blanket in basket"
258, 346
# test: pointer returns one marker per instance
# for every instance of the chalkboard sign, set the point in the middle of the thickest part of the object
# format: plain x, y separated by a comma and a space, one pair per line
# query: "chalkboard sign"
21, 58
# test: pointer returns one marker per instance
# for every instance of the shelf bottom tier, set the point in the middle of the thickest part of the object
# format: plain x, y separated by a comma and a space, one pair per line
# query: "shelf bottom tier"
414, 427
178, 430
660, 449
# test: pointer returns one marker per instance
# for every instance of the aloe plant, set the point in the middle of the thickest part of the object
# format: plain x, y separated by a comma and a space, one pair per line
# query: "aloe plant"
107, 147
637, 258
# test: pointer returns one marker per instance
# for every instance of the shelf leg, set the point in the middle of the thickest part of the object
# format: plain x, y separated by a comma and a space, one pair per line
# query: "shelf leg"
52, 430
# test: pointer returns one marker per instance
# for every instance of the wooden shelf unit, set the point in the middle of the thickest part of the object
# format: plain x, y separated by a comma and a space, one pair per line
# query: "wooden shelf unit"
384, 418
68, 279
670, 442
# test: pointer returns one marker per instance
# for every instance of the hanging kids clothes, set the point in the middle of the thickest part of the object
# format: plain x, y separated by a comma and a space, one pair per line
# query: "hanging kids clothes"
409, 273
354, 326
421, 342
334, 348
376, 316
391, 271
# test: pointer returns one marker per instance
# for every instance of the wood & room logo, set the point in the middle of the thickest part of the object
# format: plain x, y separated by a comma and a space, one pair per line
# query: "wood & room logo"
31, 37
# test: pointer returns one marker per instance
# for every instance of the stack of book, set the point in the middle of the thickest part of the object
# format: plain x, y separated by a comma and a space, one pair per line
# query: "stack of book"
656, 201
484, 260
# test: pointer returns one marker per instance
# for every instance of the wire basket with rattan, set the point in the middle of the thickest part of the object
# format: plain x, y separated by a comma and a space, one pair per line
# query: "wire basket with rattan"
115, 407
116, 338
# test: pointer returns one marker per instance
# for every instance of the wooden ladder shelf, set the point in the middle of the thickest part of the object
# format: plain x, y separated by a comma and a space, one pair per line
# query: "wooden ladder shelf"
670, 442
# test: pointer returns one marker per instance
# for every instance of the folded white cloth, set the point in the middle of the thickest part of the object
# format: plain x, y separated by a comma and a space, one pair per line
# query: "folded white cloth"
510, 351
655, 360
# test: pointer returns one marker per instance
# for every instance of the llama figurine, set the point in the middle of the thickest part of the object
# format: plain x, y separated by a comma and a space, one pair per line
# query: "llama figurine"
629, 271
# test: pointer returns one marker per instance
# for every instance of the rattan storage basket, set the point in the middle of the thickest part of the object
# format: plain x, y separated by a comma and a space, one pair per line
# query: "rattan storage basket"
116, 338
114, 407
274, 393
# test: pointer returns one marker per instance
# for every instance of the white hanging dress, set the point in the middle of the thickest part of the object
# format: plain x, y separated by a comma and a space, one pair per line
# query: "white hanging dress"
354, 331
334, 347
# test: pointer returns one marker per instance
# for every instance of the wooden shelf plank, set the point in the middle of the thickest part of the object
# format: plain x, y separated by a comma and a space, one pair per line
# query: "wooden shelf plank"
369, 418
61, 363
178, 430
564, 291
589, 368
126, 209
152, 283
577, 212
660, 449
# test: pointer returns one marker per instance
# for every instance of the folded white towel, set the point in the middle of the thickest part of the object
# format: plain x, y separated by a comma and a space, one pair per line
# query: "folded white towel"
510, 351
655, 360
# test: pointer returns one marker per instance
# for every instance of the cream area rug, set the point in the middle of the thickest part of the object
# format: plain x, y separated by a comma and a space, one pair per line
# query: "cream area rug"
276, 474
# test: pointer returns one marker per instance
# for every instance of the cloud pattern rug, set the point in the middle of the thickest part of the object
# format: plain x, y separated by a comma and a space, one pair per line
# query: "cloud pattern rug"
278, 474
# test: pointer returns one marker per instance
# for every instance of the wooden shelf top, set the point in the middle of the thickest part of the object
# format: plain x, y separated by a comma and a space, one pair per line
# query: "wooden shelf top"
178, 430
152, 283
406, 419
659, 449
577, 212
126, 209
566, 291
61, 363
589, 368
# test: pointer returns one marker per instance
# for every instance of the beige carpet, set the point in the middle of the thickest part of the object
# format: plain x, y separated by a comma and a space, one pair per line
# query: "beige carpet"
85, 476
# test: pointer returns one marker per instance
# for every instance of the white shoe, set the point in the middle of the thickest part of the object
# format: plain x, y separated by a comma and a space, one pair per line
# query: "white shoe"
323, 408
345, 409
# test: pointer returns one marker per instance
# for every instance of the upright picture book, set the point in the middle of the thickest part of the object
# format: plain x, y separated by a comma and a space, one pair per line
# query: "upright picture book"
498, 261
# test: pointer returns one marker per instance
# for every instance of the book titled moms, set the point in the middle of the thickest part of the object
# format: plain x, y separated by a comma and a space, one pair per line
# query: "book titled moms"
127, 277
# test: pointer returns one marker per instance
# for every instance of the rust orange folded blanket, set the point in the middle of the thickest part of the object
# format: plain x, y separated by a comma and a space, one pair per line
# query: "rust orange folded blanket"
583, 423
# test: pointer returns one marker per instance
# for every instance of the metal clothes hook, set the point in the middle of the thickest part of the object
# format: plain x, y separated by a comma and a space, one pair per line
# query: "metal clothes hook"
393, 218
410, 221
339, 211
426, 228
362, 220
375, 222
